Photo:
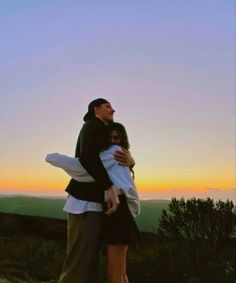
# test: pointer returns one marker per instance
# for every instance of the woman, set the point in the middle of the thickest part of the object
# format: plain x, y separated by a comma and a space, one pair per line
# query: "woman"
119, 229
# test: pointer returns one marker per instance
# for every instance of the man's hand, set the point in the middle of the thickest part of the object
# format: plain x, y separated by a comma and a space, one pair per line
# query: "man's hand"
124, 157
113, 200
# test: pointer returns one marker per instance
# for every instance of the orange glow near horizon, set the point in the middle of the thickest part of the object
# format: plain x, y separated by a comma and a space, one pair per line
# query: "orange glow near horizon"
145, 186
48, 180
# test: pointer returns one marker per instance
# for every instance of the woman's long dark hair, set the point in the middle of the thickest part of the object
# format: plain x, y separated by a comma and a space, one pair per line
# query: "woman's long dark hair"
124, 141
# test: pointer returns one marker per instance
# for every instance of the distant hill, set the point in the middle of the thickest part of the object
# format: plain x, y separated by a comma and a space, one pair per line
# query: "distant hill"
35, 206
49, 207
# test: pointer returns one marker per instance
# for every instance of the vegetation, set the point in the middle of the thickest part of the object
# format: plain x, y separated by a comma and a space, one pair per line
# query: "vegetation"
32, 248
195, 242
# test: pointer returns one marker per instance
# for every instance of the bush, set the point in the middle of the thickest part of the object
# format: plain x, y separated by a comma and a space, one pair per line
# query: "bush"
197, 241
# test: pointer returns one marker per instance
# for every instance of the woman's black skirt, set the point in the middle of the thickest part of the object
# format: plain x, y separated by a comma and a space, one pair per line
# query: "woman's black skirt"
120, 227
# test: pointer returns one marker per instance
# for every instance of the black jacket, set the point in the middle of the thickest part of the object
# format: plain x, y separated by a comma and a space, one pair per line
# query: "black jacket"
92, 140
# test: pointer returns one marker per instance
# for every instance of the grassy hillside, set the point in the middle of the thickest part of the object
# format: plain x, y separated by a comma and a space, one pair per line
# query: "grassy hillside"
151, 210
49, 207
32, 249
36, 206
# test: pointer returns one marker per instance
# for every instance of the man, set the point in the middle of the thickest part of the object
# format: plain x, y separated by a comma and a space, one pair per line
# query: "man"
84, 201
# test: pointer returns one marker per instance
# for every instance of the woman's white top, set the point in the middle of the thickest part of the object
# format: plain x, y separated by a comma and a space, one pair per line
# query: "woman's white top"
119, 175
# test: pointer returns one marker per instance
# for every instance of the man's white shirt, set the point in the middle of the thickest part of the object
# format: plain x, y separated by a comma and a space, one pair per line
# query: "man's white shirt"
77, 206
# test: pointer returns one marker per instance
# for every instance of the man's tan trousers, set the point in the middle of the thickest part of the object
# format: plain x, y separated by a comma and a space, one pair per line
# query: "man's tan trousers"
83, 246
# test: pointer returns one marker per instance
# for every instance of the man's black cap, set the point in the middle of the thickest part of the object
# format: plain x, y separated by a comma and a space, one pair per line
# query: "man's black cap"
97, 102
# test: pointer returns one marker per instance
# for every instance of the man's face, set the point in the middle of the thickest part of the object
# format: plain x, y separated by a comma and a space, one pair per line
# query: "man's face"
104, 112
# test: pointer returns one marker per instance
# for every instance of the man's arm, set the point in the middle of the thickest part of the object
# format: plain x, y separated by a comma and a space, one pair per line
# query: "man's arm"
91, 143
124, 158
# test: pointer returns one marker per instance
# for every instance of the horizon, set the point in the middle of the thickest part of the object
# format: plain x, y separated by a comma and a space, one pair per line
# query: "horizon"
214, 194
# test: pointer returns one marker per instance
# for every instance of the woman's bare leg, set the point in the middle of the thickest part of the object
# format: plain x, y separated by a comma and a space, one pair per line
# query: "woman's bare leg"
126, 280
116, 255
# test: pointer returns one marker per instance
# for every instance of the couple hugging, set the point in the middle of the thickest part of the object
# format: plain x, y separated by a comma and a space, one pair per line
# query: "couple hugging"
102, 199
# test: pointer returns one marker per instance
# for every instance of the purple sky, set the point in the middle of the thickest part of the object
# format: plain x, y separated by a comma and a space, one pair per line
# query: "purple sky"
168, 68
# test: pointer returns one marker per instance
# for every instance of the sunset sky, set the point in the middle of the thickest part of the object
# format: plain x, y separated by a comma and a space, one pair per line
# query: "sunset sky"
167, 67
